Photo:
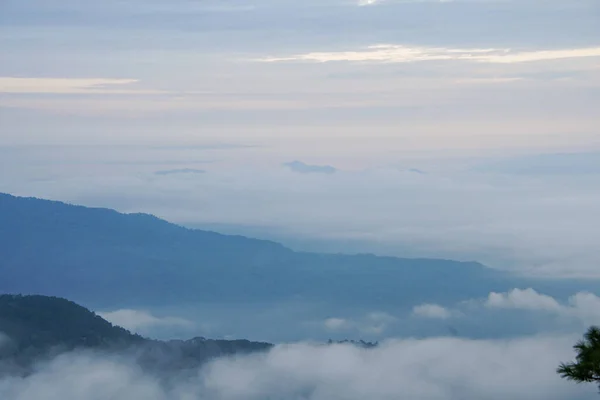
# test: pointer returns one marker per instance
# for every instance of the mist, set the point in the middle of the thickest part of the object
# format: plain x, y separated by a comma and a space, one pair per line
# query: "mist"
462, 208
431, 369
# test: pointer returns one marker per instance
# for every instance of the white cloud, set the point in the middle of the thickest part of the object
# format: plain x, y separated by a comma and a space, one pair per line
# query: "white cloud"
68, 86
541, 55
432, 369
83, 377
363, 3
527, 299
583, 306
136, 320
413, 369
392, 53
433, 311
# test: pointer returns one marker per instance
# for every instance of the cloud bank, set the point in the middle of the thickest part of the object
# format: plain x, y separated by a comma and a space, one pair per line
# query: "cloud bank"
432, 369
68, 86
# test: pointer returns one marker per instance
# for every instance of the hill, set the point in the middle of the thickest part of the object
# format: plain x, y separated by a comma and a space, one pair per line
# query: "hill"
102, 257
36, 326
41, 322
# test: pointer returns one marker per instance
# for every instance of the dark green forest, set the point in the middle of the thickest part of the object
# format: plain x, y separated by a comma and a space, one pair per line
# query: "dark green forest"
39, 327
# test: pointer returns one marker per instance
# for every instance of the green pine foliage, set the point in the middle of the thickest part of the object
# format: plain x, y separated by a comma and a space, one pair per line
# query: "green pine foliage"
586, 367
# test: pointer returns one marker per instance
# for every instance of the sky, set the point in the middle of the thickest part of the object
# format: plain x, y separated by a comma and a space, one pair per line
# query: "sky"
462, 129
456, 129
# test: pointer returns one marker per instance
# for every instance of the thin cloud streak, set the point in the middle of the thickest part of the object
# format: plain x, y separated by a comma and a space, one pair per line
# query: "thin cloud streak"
392, 53
69, 86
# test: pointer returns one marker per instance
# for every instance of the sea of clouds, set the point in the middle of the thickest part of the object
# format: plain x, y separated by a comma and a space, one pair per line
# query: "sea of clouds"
426, 369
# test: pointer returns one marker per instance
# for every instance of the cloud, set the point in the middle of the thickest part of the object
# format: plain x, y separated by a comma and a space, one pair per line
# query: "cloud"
68, 86
180, 171
136, 320
392, 53
302, 168
362, 3
432, 369
433, 311
374, 323
82, 376
583, 306
336, 324
527, 299
427, 369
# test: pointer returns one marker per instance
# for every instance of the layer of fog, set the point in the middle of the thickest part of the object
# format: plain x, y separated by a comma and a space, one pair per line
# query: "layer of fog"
543, 224
434, 369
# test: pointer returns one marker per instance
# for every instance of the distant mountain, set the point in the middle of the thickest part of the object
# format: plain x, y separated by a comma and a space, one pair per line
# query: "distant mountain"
104, 258
41, 326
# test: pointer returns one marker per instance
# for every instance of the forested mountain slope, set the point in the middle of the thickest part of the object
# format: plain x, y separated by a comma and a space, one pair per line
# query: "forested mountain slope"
103, 257
37, 327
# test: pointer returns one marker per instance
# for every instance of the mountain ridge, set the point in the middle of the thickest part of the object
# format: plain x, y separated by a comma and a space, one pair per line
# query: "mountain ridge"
148, 216
54, 248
